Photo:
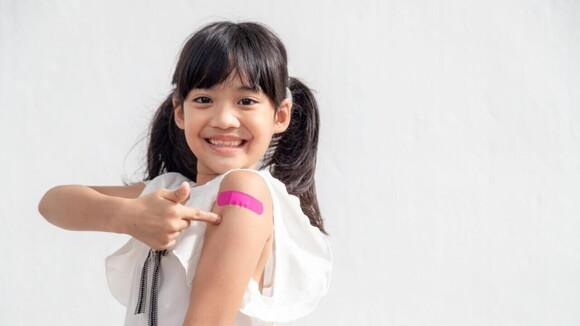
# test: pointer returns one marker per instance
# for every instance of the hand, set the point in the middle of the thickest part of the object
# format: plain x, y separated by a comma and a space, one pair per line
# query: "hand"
158, 218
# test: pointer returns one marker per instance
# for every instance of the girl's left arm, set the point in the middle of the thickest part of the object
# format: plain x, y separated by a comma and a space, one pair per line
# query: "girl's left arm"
230, 254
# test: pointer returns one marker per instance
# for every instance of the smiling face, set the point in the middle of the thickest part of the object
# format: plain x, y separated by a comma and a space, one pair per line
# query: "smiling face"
229, 126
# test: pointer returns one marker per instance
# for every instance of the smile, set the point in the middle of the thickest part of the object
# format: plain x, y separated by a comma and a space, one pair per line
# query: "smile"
226, 143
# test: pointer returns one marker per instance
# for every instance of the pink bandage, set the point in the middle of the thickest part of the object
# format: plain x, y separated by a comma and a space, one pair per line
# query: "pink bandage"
240, 199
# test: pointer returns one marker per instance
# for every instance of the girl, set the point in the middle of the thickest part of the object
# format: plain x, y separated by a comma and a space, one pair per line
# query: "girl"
236, 137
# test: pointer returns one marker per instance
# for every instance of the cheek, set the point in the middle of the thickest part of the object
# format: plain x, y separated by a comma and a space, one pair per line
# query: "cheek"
264, 134
191, 131
191, 122
261, 127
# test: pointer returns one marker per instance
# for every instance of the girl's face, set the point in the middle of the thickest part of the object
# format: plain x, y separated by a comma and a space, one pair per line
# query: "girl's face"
229, 126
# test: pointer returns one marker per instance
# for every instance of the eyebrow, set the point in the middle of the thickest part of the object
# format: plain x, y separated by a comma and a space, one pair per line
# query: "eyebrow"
242, 88
250, 89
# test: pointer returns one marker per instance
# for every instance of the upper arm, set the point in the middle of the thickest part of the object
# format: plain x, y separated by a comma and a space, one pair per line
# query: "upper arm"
230, 253
130, 191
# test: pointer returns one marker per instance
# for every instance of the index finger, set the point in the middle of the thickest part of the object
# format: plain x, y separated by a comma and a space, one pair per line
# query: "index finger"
196, 214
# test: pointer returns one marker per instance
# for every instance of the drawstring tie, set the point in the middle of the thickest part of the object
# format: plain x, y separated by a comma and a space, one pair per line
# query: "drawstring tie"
154, 255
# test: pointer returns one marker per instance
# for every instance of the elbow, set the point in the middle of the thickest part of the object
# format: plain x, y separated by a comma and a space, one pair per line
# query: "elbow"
42, 205
45, 204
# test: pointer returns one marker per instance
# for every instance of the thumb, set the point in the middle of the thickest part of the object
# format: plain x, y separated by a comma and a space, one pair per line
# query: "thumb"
180, 194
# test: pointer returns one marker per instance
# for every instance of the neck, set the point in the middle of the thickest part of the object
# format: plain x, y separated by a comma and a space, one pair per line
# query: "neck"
203, 178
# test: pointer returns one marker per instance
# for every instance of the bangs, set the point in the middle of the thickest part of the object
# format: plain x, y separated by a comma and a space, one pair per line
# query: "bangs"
216, 52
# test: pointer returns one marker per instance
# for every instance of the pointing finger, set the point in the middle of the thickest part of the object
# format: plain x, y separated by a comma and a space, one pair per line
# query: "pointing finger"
196, 214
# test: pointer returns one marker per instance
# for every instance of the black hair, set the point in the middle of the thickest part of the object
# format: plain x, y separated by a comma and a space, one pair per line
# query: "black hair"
258, 56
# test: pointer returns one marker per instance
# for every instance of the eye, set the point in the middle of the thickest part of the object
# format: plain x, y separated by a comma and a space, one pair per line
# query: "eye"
202, 100
247, 101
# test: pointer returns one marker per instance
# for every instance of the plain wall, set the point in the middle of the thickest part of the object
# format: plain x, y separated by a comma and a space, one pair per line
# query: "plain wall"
449, 162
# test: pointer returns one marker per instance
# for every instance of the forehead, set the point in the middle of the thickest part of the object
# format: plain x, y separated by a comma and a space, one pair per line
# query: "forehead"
237, 82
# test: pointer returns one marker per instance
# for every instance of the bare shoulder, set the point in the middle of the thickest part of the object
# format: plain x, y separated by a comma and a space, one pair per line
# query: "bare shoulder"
246, 181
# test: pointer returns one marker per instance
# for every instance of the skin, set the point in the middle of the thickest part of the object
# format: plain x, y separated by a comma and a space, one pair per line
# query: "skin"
231, 255
235, 251
155, 219
229, 112
237, 241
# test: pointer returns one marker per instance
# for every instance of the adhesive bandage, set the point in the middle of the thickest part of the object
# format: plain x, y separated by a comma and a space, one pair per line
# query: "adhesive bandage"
241, 199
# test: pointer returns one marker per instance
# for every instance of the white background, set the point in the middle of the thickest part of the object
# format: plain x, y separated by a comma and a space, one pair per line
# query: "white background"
449, 164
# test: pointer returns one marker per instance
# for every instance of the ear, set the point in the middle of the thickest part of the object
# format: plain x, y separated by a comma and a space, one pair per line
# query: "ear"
178, 114
282, 116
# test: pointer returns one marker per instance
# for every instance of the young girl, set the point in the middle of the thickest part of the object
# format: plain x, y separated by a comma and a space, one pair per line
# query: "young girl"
236, 137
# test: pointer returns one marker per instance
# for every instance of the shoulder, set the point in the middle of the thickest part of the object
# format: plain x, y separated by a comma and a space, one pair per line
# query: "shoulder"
249, 186
245, 180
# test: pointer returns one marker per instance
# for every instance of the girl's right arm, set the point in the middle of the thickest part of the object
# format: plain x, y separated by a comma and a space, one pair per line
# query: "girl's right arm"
155, 219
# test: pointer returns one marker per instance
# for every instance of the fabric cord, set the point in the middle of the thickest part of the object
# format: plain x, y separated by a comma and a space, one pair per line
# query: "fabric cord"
143, 286
154, 255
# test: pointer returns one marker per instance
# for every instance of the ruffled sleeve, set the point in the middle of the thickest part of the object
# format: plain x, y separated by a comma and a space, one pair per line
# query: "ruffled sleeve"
297, 273
301, 265
120, 266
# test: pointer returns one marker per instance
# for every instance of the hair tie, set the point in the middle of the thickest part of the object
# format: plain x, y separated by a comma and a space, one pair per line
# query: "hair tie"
288, 94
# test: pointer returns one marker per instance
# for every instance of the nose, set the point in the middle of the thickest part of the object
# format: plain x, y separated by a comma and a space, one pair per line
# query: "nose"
224, 117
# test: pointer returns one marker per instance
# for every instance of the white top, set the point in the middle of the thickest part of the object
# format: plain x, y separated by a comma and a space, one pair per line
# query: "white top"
296, 276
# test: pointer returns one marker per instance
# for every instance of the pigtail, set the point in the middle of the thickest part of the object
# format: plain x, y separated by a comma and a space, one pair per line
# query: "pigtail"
294, 158
168, 150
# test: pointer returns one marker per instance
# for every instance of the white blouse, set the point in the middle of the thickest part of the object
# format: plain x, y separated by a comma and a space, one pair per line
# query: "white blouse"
296, 276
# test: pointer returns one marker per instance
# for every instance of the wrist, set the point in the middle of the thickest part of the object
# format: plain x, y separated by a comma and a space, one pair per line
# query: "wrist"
121, 215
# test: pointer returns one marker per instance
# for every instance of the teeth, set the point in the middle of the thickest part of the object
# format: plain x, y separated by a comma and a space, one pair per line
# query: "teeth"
226, 143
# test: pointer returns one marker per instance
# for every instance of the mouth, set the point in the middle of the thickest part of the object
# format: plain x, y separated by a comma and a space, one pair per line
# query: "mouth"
231, 143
